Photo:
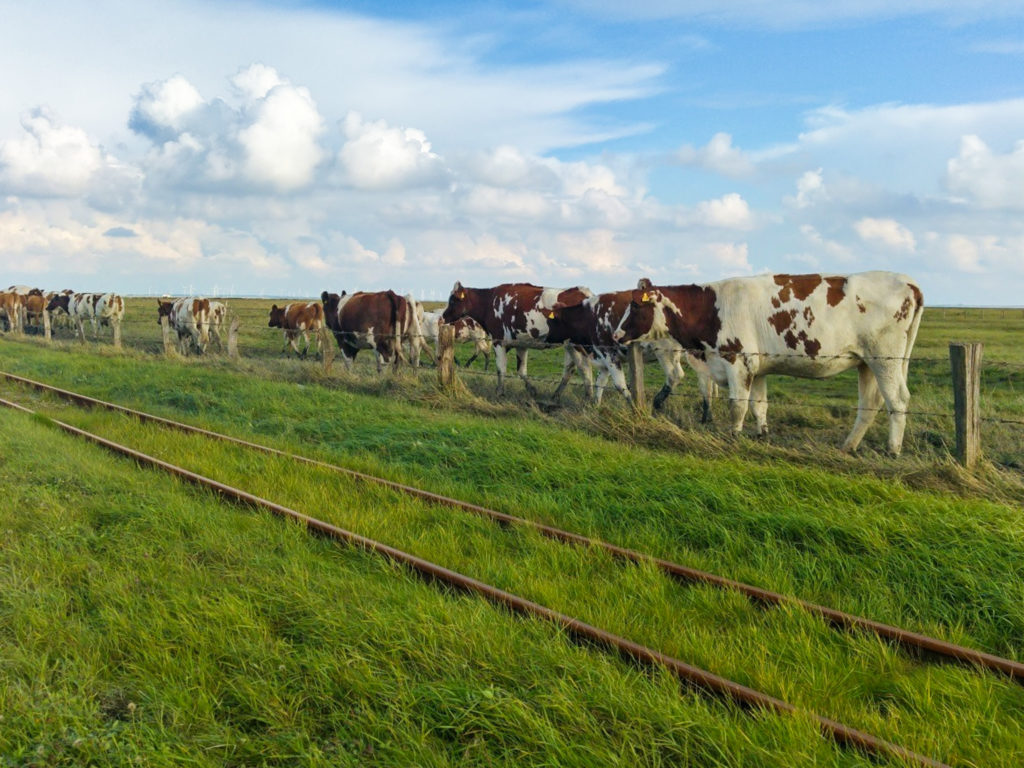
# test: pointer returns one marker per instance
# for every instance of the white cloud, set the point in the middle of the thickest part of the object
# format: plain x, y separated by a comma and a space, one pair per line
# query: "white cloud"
49, 159
985, 178
594, 251
281, 145
730, 211
888, 232
729, 258
810, 189
256, 81
162, 109
378, 156
719, 155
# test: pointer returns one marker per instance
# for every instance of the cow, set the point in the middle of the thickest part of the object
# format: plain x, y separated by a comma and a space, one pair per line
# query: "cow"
98, 308
218, 316
34, 303
811, 326
59, 316
298, 318
590, 326
11, 305
466, 330
364, 320
190, 318
513, 316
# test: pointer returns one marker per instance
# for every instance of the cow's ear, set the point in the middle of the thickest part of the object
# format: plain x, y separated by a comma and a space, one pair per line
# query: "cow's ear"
457, 287
644, 284
324, 296
273, 307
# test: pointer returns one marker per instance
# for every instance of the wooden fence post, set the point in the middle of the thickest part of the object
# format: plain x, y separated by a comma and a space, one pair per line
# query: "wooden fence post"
446, 357
233, 338
325, 340
117, 334
965, 360
165, 329
47, 330
636, 377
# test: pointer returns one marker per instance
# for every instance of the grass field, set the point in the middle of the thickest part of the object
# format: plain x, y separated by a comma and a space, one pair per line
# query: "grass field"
144, 622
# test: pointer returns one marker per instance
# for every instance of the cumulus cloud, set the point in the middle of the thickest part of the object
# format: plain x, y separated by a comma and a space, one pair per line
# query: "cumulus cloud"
719, 155
594, 251
986, 178
50, 158
378, 156
887, 232
162, 109
281, 145
810, 189
271, 140
730, 211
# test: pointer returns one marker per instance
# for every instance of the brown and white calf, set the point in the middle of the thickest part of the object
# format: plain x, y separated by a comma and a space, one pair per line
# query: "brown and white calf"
298, 318
591, 324
466, 330
98, 308
812, 326
515, 316
364, 320
189, 317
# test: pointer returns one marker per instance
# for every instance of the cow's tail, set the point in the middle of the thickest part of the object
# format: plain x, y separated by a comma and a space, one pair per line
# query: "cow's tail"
915, 323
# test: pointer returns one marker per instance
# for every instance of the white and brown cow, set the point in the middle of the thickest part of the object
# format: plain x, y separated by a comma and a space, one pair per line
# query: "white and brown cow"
98, 308
190, 318
365, 320
515, 316
301, 317
812, 326
414, 335
591, 324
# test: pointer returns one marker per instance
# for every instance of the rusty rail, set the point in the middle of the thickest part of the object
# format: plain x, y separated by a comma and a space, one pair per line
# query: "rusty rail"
912, 640
687, 673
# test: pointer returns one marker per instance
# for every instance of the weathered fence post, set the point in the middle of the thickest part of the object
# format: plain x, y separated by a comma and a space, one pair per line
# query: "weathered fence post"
47, 330
233, 338
965, 360
446, 357
325, 340
117, 334
165, 329
636, 377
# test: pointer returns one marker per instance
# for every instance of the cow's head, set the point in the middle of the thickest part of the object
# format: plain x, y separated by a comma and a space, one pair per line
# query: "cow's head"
559, 319
276, 316
460, 303
59, 302
638, 319
330, 302
163, 309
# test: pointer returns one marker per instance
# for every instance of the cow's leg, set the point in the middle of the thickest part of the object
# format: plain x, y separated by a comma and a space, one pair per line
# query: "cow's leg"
81, 328
739, 394
889, 374
521, 355
470, 361
759, 403
672, 367
501, 364
567, 366
708, 392
487, 360
869, 402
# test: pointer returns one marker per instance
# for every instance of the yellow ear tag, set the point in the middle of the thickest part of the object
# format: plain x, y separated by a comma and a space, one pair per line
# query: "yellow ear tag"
645, 297
551, 315
461, 295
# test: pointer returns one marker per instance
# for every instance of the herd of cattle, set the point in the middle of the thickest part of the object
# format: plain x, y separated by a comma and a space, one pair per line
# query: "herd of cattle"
732, 333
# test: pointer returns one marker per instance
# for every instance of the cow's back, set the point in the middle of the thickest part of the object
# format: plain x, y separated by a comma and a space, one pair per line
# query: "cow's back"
812, 324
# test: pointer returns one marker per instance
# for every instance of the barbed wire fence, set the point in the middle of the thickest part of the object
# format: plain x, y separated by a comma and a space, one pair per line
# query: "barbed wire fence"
1001, 381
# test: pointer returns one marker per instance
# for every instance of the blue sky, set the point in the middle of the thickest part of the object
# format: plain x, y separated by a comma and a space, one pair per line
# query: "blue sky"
284, 148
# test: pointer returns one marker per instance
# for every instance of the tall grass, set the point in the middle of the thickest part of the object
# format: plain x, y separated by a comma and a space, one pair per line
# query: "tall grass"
936, 563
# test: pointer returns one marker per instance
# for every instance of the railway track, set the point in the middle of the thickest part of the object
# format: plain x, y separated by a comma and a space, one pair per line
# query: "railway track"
913, 641
690, 675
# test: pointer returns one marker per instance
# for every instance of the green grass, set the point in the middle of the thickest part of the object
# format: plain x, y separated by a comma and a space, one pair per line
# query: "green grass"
930, 561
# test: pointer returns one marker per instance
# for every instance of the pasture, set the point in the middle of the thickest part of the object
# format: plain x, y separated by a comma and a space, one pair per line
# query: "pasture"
147, 622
